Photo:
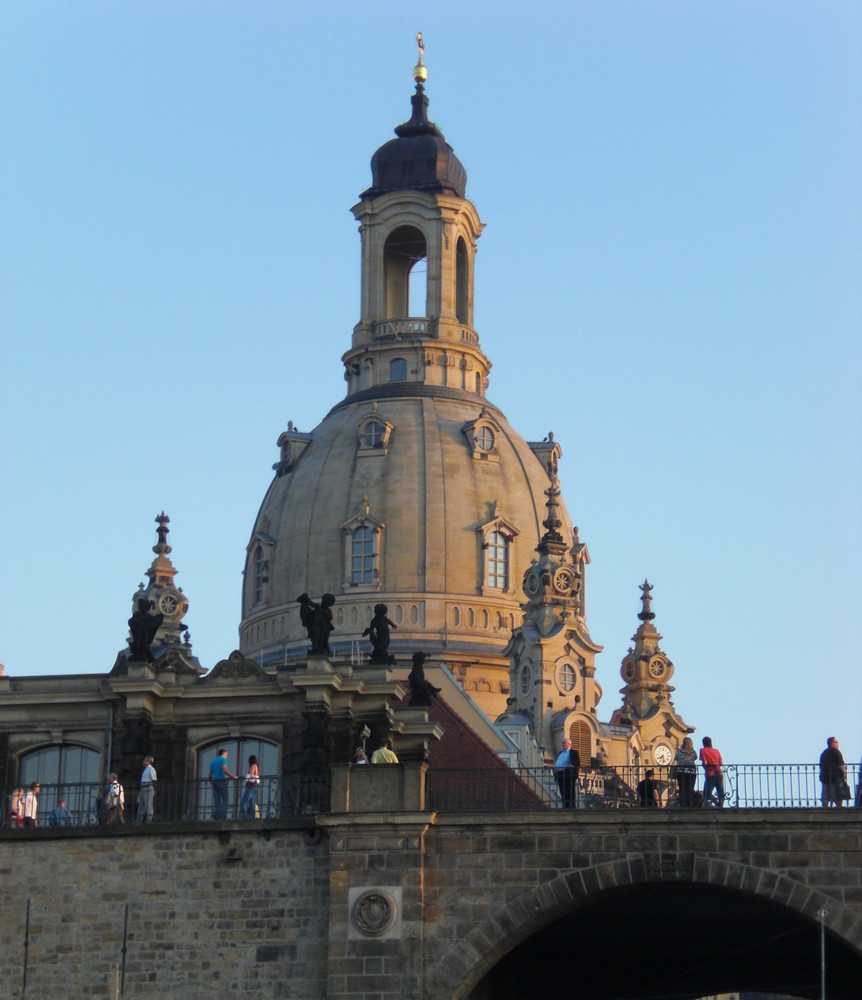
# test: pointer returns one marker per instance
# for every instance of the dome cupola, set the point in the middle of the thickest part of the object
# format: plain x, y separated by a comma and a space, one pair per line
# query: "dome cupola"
420, 159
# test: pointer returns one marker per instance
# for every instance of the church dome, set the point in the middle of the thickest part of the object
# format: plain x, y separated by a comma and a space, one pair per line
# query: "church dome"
414, 491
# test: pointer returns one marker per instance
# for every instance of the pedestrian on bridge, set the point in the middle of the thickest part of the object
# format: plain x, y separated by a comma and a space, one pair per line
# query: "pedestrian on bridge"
713, 775
833, 775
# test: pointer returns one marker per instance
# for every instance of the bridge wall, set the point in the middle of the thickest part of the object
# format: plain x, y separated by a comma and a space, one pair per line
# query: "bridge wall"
396, 905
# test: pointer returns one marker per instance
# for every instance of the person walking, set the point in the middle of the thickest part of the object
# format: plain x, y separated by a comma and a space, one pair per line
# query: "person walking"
148, 792
115, 801
248, 805
31, 805
218, 777
567, 769
714, 776
685, 763
833, 775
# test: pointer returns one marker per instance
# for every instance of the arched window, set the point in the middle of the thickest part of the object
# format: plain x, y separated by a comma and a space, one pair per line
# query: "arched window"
238, 752
373, 434
405, 247
363, 556
462, 277
258, 573
67, 772
497, 571
579, 734
397, 370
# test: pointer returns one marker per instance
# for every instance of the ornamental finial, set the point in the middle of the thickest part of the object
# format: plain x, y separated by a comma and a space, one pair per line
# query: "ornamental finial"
420, 74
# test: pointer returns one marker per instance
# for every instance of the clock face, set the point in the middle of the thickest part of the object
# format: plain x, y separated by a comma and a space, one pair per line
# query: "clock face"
564, 580
168, 603
629, 670
657, 668
531, 583
662, 754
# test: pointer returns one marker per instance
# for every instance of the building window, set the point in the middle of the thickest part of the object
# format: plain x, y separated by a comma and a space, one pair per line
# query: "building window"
363, 557
373, 434
484, 438
238, 752
258, 574
65, 772
526, 679
497, 571
462, 291
397, 370
566, 678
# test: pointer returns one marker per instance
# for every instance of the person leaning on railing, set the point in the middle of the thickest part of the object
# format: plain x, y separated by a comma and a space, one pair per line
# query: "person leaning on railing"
713, 775
833, 775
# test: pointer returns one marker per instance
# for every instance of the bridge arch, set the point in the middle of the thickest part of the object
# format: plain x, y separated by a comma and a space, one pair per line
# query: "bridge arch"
762, 893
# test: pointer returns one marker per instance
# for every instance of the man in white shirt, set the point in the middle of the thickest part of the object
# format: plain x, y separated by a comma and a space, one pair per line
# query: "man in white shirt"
148, 792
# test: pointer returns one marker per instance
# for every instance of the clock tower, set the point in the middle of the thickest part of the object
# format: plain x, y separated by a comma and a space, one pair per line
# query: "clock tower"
551, 655
647, 670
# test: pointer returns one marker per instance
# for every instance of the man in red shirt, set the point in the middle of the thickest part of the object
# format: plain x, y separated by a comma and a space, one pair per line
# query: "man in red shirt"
714, 778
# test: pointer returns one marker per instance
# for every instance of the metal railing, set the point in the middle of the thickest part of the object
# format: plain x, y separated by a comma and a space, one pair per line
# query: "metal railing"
489, 790
745, 786
275, 797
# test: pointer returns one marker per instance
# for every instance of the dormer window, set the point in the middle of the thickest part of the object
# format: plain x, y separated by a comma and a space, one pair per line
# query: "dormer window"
483, 435
260, 551
374, 433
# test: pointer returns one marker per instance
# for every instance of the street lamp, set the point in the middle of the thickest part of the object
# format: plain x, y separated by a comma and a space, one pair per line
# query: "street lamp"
822, 914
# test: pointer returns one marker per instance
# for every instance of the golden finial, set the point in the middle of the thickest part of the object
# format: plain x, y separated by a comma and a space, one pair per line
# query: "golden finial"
420, 74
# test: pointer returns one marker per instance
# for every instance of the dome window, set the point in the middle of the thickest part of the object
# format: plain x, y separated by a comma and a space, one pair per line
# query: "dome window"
495, 539
497, 575
257, 564
398, 370
363, 537
482, 435
374, 434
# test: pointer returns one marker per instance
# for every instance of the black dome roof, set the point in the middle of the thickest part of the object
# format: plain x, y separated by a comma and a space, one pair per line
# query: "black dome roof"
419, 159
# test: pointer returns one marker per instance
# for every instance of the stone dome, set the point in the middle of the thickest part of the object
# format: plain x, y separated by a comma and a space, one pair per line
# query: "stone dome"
414, 491
445, 480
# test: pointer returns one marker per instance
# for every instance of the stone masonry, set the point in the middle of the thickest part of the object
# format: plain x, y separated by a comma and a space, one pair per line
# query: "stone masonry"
380, 905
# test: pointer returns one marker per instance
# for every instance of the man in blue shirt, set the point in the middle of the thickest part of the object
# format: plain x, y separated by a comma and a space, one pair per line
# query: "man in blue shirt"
218, 776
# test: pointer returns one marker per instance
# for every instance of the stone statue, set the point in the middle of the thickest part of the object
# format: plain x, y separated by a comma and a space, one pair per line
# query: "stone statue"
143, 627
317, 620
378, 631
421, 691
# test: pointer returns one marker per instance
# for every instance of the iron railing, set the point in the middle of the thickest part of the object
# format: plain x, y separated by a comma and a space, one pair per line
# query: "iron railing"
746, 786
276, 797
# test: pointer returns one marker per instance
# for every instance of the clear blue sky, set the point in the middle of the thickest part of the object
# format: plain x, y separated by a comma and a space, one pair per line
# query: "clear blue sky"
669, 280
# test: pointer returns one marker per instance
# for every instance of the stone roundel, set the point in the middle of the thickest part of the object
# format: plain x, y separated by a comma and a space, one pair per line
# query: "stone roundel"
374, 912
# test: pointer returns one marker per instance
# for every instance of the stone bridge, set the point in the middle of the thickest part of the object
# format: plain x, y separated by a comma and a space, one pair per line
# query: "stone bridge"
411, 904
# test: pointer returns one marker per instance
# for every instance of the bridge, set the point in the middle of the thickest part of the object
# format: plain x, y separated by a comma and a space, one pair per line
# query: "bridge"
383, 897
